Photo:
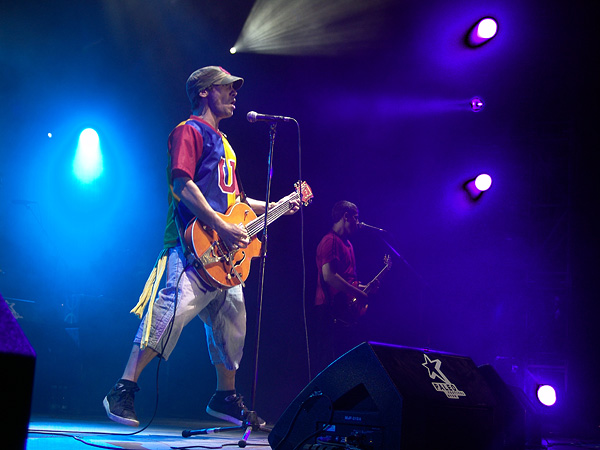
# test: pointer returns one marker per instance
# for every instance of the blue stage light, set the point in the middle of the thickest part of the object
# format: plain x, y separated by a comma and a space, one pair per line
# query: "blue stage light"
87, 164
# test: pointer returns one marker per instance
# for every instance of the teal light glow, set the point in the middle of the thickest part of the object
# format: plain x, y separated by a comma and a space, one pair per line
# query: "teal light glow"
87, 164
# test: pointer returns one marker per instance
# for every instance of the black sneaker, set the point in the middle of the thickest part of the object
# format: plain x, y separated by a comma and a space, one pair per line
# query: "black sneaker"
232, 409
118, 403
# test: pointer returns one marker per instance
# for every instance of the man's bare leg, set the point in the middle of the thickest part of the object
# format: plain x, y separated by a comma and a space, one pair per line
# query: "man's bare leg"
138, 360
119, 401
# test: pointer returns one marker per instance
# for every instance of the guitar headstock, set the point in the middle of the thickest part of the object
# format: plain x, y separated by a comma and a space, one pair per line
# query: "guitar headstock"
387, 260
304, 192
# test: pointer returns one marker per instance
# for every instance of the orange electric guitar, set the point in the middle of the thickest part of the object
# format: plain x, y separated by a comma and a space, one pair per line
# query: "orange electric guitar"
223, 267
349, 310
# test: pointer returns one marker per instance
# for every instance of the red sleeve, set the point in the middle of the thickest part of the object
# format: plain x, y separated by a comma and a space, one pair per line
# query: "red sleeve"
185, 146
327, 253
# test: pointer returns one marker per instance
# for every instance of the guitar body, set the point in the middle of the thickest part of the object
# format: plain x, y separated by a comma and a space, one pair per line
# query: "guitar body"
222, 267
348, 310
215, 263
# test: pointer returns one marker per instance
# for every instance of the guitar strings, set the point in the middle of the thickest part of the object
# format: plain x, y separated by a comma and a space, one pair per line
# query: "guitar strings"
257, 224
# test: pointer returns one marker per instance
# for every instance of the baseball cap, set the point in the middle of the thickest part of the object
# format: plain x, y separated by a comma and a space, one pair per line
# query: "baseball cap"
207, 76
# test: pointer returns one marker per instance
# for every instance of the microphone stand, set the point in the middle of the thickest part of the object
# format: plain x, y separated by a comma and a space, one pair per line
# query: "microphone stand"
251, 421
386, 236
249, 425
387, 242
263, 258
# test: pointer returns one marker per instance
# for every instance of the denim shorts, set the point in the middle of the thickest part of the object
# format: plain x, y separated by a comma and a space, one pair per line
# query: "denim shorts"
222, 310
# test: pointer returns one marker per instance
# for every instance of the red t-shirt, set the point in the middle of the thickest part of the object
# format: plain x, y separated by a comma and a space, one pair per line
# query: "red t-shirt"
339, 254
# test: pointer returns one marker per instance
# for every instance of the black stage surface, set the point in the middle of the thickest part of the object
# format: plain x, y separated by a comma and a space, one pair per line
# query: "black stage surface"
49, 433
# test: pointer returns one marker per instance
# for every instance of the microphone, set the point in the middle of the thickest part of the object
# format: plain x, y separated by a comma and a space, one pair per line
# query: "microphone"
371, 227
253, 116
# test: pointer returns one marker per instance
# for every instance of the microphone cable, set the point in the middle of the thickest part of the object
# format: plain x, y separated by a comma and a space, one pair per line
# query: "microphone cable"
303, 257
74, 434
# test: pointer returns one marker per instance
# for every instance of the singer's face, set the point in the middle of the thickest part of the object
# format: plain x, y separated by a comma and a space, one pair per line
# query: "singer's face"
352, 223
221, 100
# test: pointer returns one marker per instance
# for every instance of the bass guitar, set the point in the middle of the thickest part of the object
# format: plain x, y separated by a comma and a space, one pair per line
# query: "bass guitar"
223, 267
349, 310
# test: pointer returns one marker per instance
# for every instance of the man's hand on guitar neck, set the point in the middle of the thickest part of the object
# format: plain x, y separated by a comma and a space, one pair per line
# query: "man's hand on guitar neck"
370, 288
258, 206
294, 204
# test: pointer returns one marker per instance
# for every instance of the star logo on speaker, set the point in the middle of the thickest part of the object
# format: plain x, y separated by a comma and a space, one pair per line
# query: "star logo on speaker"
446, 386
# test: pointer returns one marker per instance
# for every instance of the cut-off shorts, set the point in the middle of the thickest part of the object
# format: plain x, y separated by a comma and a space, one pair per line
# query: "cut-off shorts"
222, 310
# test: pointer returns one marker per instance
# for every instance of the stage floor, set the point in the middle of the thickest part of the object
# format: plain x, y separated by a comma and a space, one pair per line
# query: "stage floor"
52, 434
165, 434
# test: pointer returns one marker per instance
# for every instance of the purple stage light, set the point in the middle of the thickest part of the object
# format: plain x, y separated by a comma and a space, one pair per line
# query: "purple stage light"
487, 28
545, 383
475, 187
477, 104
483, 182
481, 32
546, 394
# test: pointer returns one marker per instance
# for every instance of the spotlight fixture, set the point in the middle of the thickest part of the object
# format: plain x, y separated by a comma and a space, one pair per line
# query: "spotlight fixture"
481, 32
545, 384
475, 187
546, 395
233, 50
477, 104
87, 164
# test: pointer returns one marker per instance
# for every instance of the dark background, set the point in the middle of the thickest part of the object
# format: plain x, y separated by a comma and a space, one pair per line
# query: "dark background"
508, 280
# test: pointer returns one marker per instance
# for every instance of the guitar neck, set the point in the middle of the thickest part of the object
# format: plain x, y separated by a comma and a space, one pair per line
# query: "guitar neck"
379, 275
256, 226
376, 277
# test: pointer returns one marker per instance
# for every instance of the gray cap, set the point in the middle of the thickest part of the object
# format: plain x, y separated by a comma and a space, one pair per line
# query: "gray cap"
208, 76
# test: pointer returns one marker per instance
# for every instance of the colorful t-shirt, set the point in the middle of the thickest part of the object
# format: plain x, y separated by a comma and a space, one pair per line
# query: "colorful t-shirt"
200, 152
339, 254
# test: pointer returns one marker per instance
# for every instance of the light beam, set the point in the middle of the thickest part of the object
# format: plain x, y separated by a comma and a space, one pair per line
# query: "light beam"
314, 27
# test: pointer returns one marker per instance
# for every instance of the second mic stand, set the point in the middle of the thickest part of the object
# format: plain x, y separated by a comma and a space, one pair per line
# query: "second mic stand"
251, 422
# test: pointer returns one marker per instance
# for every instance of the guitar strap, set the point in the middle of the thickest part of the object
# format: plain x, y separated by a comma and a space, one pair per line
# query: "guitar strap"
243, 197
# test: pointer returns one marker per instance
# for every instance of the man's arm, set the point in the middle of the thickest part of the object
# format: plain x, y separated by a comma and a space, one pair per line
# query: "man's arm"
336, 281
192, 197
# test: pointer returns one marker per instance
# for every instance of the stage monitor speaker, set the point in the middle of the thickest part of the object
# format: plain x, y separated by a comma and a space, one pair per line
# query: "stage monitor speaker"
16, 377
386, 397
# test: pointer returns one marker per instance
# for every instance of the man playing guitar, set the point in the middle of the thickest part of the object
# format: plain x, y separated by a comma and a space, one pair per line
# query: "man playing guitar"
203, 185
337, 285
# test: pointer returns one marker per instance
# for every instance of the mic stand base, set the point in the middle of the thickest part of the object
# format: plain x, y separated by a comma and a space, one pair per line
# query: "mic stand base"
250, 424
